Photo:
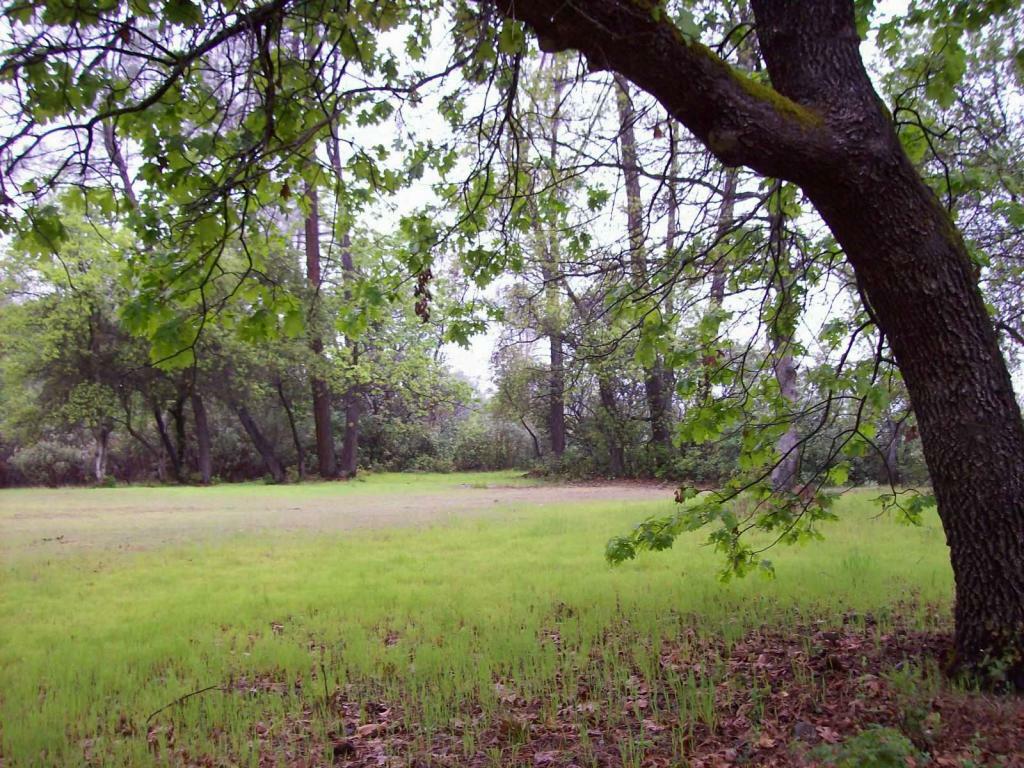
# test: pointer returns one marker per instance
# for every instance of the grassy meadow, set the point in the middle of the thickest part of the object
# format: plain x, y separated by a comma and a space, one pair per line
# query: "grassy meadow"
441, 621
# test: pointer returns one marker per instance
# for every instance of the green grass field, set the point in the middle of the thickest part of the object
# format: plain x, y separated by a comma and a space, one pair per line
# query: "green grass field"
426, 618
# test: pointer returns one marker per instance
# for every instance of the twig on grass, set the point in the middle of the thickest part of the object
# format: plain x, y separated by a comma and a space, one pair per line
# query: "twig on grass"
182, 699
327, 696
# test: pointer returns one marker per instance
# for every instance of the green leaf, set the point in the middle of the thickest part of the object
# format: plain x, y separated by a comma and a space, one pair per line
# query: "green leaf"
511, 39
839, 474
597, 197
863, 9
294, 322
183, 12
950, 64
687, 24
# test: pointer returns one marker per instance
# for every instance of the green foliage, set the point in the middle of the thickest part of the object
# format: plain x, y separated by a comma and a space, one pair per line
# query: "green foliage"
91, 351
874, 747
788, 517
909, 506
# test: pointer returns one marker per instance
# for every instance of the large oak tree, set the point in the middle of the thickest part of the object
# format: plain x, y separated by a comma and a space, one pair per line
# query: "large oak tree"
822, 126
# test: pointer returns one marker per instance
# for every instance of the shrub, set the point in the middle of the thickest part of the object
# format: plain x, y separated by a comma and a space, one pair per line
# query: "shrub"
50, 463
427, 463
482, 442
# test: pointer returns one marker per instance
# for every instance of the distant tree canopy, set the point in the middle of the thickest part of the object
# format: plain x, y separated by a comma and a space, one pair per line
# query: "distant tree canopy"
702, 222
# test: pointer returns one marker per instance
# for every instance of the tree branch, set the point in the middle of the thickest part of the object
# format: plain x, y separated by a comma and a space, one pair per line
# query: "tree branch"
741, 121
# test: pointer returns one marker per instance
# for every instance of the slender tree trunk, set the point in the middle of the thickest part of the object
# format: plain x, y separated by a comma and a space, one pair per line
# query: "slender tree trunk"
102, 436
350, 445
204, 453
300, 451
533, 436
890, 474
785, 474
263, 446
177, 411
168, 444
716, 294
724, 225
747, 56
135, 434
551, 273
114, 151
668, 375
153, 450
658, 405
556, 395
659, 400
616, 452
353, 399
326, 459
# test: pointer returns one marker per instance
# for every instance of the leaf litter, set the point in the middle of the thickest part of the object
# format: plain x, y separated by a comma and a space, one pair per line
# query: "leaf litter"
767, 699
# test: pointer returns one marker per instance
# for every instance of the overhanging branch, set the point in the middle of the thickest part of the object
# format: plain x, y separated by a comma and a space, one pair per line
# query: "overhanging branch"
741, 121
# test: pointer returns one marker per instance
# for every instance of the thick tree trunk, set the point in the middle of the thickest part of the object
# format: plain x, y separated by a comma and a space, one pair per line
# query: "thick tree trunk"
915, 272
204, 452
825, 128
920, 284
263, 446
326, 459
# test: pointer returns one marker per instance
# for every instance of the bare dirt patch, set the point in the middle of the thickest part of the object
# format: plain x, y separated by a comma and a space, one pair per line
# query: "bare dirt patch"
49, 521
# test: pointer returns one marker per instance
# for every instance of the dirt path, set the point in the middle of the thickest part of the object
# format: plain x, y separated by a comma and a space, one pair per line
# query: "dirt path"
46, 522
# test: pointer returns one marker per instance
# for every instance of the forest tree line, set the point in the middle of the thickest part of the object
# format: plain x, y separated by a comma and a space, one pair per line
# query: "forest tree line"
628, 265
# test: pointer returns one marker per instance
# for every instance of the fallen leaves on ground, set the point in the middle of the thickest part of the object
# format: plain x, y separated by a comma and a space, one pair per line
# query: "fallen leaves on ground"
769, 699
